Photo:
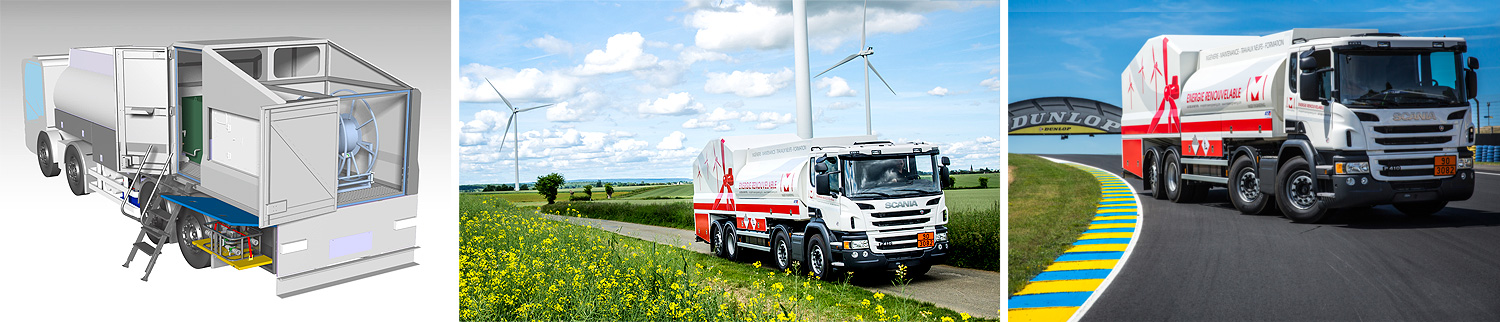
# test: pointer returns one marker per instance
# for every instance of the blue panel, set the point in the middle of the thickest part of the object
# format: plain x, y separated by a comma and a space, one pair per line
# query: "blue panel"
1082, 274
217, 209
1088, 256
1049, 300
1097, 241
36, 102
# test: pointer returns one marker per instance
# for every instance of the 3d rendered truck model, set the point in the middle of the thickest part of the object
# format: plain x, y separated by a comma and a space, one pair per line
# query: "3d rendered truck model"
829, 204
289, 155
1316, 119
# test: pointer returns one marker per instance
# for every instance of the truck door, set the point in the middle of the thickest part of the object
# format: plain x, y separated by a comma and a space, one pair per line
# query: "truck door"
1311, 114
827, 205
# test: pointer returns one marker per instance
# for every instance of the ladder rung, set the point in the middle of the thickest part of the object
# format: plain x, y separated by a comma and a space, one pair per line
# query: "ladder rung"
154, 232
145, 248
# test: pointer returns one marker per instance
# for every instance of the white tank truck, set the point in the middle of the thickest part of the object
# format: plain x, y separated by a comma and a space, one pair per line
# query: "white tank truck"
1316, 119
288, 154
829, 204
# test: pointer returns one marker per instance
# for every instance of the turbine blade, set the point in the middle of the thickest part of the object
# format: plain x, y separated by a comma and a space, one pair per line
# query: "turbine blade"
846, 59
534, 107
864, 18
497, 92
508, 123
877, 75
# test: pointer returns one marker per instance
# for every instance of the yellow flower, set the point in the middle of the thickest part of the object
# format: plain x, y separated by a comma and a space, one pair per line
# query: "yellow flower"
879, 295
964, 315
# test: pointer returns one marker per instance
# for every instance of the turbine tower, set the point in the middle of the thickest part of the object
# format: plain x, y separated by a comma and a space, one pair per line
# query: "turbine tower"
508, 124
865, 53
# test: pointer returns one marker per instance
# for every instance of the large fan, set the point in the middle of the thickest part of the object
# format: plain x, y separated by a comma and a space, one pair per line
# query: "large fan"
353, 147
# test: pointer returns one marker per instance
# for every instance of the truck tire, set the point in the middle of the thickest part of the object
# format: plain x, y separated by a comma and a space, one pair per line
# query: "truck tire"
1294, 194
73, 160
44, 156
731, 247
1244, 187
716, 239
1171, 171
189, 229
820, 259
1153, 176
781, 250
1421, 208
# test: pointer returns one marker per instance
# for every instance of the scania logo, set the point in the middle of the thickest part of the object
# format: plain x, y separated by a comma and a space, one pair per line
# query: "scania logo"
1414, 116
901, 204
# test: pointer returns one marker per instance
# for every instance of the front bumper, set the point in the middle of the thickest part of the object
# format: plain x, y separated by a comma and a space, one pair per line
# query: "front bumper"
1460, 186
868, 259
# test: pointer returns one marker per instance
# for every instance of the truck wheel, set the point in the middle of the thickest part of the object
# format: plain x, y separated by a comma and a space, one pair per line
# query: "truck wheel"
1421, 208
1295, 195
1172, 178
189, 229
44, 156
1244, 187
716, 239
781, 250
731, 247
1153, 174
73, 161
819, 258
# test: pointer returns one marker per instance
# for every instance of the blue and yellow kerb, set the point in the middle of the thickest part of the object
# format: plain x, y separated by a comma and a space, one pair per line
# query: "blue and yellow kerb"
1084, 269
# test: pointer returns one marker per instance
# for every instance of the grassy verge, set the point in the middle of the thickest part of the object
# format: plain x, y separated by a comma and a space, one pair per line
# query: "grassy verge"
675, 214
972, 180
1050, 205
516, 265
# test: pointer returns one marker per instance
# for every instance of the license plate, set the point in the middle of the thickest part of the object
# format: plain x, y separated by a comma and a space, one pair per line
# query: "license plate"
925, 239
1444, 165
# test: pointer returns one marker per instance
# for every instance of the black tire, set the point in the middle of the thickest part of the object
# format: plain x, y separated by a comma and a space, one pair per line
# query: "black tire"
189, 229
731, 248
1171, 179
716, 239
1294, 194
1244, 187
1421, 208
73, 160
44, 156
781, 250
152, 211
1153, 170
819, 259
913, 272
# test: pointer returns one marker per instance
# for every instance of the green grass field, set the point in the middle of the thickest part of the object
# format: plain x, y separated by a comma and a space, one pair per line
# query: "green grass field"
1050, 205
517, 266
532, 198
972, 180
684, 191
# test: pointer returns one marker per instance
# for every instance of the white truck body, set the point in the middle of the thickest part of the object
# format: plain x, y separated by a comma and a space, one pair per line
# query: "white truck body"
1193, 105
761, 191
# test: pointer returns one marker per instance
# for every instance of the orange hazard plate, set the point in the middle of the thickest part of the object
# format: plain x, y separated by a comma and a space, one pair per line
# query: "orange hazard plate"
924, 240
1444, 165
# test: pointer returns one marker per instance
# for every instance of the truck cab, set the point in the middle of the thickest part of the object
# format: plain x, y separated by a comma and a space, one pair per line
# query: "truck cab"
883, 204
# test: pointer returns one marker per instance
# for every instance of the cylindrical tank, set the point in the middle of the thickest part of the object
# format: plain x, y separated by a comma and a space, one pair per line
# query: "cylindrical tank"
88, 95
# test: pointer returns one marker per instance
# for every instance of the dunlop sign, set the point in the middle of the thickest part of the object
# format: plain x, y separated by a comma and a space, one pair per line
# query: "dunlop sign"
1063, 115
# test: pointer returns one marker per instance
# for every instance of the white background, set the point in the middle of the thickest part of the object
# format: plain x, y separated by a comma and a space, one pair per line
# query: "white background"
62, 253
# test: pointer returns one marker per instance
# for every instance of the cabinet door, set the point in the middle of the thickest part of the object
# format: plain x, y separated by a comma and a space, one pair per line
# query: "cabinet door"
299, 160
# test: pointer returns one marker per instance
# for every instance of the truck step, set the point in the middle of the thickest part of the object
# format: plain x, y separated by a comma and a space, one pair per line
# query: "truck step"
145, 247
1217, 162
1204, 178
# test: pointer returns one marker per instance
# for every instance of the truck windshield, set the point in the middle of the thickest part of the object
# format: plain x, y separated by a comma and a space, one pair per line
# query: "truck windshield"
1399, 79
891, 177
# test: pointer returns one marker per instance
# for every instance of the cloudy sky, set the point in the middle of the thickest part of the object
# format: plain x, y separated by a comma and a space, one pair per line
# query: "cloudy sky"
642, 86
1079, 48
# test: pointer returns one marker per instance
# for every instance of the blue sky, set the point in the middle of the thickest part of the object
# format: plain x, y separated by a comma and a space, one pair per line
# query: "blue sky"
642, 86
1079, 48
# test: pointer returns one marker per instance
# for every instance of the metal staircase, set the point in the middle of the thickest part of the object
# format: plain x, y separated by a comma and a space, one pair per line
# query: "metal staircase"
161, 236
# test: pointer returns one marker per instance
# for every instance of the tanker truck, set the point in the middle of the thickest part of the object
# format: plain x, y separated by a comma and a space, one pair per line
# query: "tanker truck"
287, 155
828, 205
1314, 119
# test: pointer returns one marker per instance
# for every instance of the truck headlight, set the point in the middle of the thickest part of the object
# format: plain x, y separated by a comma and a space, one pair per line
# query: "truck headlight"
1351, 167
1465, 163
941, 237
857, 244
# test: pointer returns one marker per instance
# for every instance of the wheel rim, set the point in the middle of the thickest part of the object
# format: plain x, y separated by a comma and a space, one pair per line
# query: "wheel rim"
1152, 174
1249, 185
191, 230
781, 254
1299, 191
73, 168
816, 257
729, 245
1172, 176
716, 240
43, 155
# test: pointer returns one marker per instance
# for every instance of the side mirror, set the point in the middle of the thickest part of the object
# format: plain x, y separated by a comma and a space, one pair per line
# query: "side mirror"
946, 162
822, 184
1307, 86
1471, 80
943, 176
1473, 62
820, 167
1308, 61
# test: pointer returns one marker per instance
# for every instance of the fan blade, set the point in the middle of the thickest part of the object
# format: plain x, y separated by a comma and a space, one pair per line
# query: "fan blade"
846, 59
534, 107
497, 92
508, 122
877, 75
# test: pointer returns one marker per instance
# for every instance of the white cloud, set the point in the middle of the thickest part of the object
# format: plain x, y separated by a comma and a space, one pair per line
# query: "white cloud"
836, 86
680, 103
994, 71
724, 128
561, 113
672, 141
696, 124
748, 84
551, 45
696, 54
993, 83
486, 120
518, 85
621, 53
985, 139
938, 91
752, 26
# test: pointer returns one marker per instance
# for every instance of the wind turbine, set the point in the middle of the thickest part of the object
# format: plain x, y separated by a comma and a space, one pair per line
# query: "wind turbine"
517, 134
868, 68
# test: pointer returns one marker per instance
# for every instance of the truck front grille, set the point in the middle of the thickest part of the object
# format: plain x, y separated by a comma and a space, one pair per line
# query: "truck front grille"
897, 214
1405, 167
1414, 140
903, 222
896, 238
1413, 128
1416, 185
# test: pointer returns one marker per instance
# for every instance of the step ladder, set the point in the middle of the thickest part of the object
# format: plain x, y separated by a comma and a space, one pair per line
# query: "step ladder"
165, 235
